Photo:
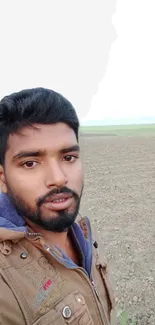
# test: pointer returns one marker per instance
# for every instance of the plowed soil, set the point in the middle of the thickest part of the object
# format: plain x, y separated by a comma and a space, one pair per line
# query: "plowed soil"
119, 198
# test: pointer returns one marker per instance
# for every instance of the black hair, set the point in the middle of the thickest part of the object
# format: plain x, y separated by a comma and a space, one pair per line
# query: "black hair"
33, 106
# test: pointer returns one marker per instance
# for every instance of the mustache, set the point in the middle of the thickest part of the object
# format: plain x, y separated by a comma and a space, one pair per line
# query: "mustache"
55, 191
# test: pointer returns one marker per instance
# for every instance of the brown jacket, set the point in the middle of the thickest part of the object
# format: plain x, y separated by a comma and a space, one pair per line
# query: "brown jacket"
37, 288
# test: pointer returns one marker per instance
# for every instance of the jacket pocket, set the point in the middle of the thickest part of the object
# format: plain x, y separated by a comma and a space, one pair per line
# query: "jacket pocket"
70, 310
74, 310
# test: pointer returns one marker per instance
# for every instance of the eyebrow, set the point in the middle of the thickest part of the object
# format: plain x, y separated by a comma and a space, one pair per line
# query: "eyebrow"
41, 153
70, 149
25, 154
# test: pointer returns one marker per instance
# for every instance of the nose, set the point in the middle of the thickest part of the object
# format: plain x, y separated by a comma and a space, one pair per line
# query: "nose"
55, 176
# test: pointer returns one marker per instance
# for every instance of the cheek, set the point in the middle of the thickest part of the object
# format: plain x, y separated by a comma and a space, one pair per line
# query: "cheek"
24, 186
76, 178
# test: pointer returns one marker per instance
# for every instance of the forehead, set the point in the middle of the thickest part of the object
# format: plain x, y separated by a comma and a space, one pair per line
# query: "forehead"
49, 137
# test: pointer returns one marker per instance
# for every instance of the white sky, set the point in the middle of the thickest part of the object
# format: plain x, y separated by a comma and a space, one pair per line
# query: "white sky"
59, 44
68, 45
128, 87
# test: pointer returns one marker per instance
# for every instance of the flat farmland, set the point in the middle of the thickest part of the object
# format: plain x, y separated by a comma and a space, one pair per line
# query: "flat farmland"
119, 198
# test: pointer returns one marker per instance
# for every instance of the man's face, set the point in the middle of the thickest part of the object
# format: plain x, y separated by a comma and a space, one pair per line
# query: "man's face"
43, 175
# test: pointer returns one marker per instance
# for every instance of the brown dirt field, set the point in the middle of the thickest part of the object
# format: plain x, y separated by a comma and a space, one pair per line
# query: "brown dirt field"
119, 197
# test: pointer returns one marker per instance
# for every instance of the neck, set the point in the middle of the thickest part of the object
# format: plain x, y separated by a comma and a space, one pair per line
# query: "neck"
52, 238
61, 240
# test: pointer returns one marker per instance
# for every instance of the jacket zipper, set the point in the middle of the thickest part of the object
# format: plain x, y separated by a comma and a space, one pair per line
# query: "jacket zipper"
96, 296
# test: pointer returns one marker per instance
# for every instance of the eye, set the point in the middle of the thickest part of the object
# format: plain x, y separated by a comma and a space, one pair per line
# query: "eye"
70, 158
29, 164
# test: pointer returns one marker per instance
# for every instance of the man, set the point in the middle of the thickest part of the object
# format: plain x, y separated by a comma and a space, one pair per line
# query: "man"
50, 271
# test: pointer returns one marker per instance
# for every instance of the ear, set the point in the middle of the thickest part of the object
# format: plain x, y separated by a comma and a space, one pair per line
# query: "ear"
3, 180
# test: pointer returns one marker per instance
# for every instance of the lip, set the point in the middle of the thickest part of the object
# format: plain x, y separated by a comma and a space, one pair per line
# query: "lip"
58, 202
60, 196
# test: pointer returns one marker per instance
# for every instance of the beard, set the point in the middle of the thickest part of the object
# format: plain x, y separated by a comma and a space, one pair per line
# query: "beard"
58, 222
